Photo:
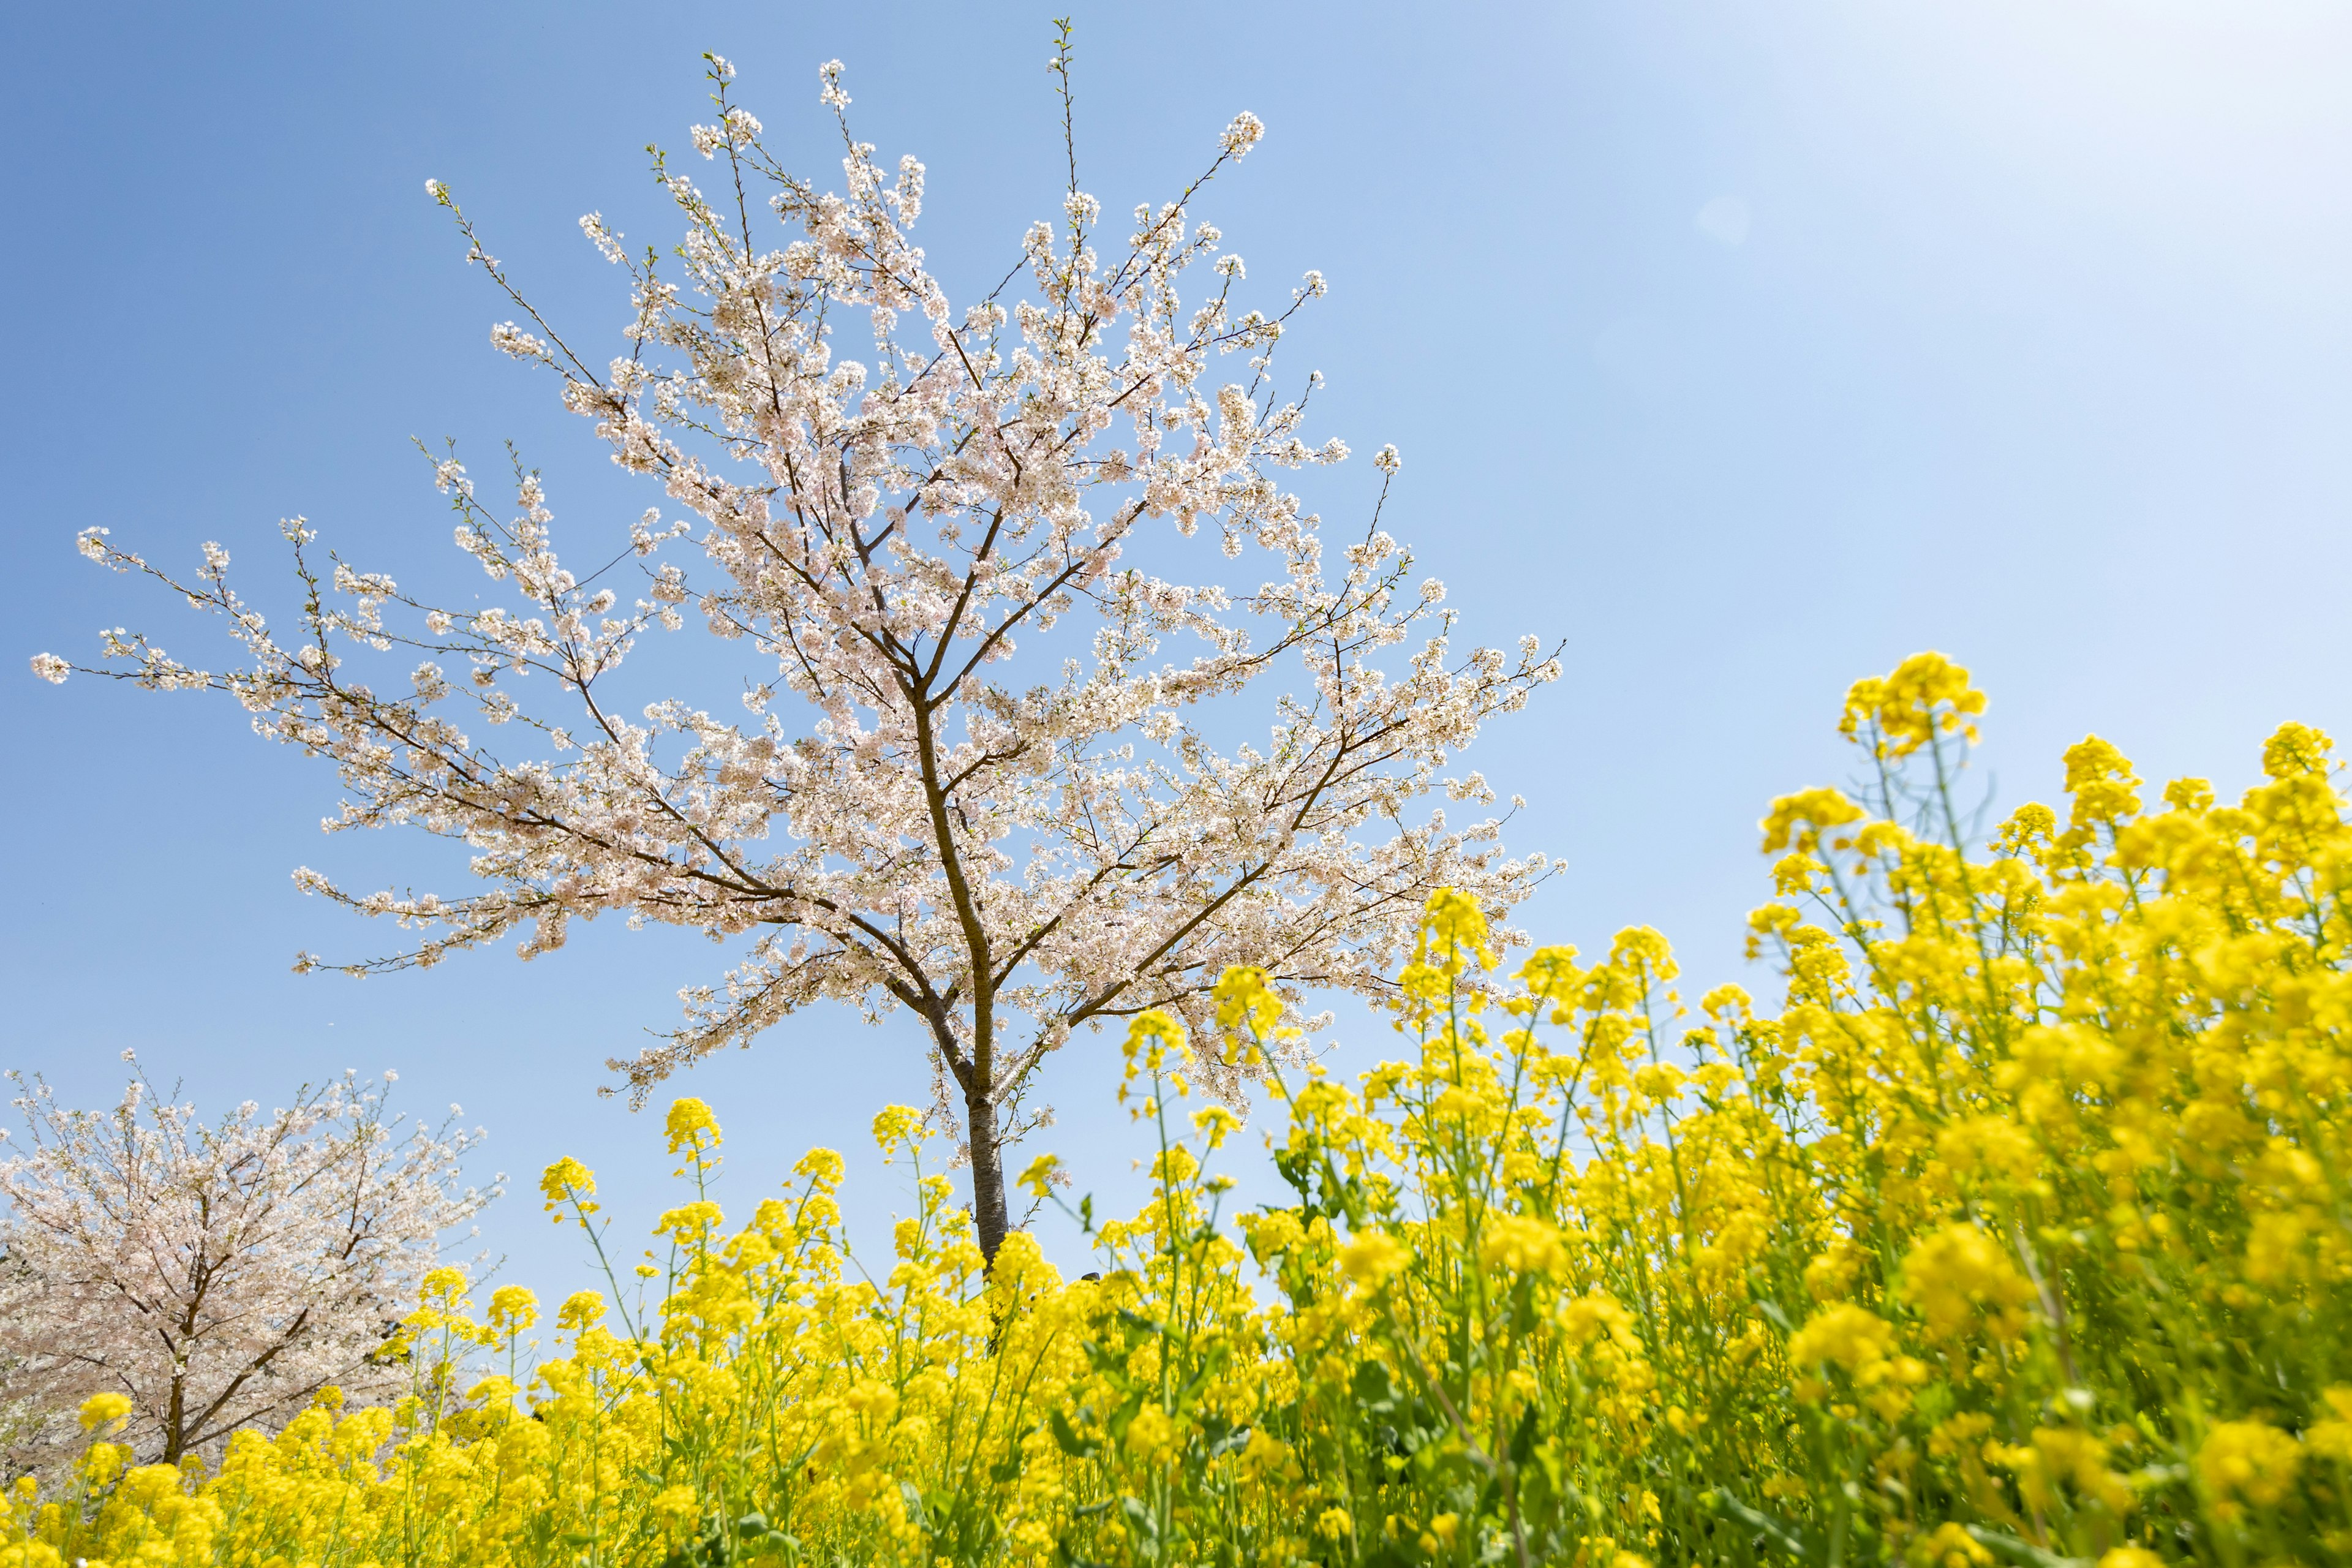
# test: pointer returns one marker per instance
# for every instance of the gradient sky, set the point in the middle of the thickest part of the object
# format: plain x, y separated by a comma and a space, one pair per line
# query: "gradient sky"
1748, 348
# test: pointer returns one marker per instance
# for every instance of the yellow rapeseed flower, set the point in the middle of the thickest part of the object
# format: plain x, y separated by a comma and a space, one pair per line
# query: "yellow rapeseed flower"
2248, 1461
1958, 1276
513, 1309
1371, 1258
894, 1126
692, 1128
1845, 1336
104, 1410
568, 1183
1521, 1243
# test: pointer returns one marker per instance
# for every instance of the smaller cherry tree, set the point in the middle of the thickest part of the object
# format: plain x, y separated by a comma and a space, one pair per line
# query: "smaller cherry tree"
219, 1277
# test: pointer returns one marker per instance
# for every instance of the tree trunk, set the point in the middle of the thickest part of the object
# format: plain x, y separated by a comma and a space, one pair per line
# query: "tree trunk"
175, 1422
987, 1175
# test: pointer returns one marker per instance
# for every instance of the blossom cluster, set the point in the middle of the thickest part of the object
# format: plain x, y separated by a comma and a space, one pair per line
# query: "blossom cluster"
2016, 1235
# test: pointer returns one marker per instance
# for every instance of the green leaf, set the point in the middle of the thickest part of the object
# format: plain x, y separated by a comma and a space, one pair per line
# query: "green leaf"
1066, 1435
1793, 1538
2022, 1551
1523, 1441
1374, 1389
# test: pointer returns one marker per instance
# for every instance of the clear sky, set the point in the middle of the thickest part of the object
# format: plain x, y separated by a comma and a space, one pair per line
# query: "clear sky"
1748, 348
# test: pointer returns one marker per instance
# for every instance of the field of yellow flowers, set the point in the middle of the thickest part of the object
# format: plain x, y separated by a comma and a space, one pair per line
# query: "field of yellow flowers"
2018, 1234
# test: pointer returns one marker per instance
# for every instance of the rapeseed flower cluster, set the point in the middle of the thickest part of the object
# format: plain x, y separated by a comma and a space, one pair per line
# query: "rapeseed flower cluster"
2020, 1234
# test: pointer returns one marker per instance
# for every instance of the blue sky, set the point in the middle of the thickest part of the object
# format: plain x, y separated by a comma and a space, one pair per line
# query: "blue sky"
1747, 348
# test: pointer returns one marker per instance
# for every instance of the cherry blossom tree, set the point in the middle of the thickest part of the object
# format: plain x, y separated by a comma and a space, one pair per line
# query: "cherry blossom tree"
984, 768
219, 1277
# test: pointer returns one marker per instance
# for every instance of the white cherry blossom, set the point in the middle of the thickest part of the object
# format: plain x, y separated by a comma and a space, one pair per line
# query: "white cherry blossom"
986, 763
